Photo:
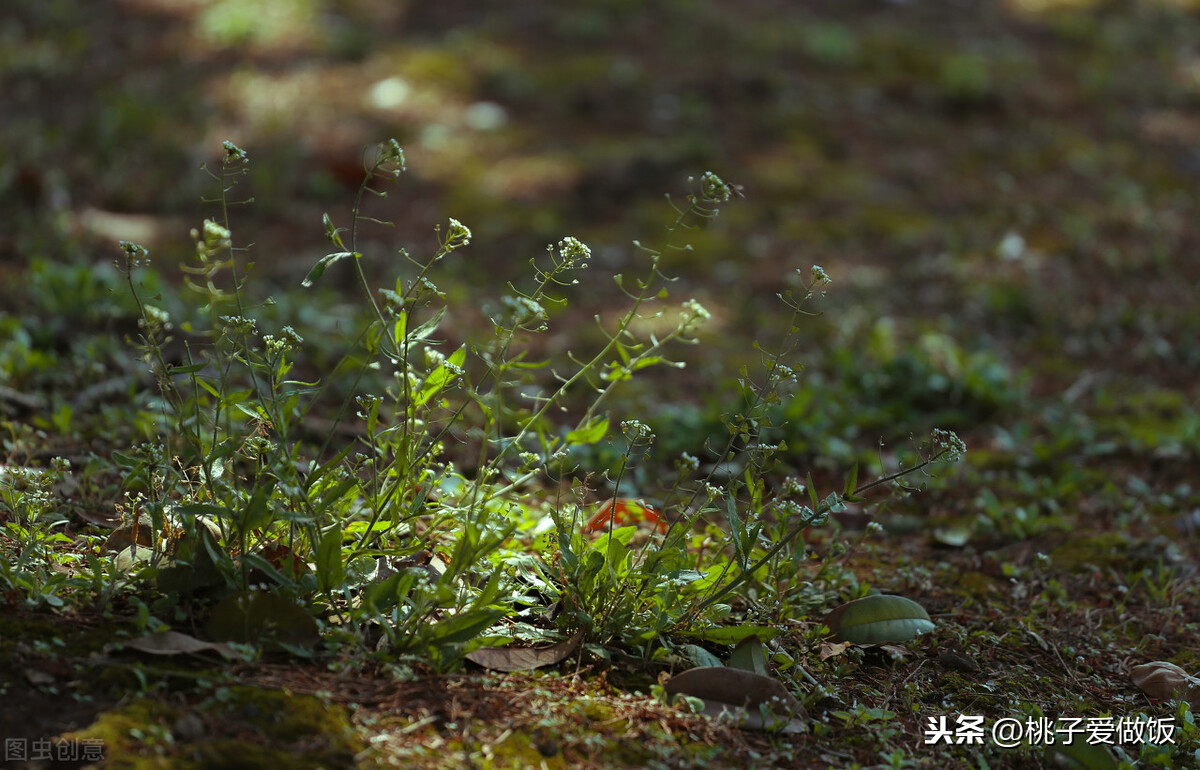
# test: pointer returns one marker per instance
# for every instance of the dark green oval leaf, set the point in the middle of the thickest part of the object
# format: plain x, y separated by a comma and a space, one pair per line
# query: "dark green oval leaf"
877, 619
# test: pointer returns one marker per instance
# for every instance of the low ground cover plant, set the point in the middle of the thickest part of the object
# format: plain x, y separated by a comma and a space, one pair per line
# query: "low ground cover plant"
444, 508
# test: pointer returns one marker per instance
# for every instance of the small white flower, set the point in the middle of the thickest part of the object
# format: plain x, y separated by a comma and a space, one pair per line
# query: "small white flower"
572, 250
458, 234
692, 316
713, 189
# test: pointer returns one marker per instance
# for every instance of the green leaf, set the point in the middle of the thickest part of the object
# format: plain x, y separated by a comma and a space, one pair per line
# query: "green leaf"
590, 433
737, 531
323, 263
331, 494
211, 390
441, 376
614, 548
852, 480
331, 570
878, 619
423, 331
321, 470
257, 513
750, 655
400, 328
733, 634
465, 626
185, 369
1081, 755
700, 656
642, 363
391, 591
331, 232
257, 562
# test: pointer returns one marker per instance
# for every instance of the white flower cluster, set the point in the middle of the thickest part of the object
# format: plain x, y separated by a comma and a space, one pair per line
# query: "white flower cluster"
236, 324
212, 239
133, 256
155, 318
572, 251
713, 189
637, 431
434, 358
287, 340
457, 235
947, 443
692, 316
793, 486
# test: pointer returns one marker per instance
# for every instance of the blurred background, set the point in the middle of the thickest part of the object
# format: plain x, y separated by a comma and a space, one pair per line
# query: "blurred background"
1002, 192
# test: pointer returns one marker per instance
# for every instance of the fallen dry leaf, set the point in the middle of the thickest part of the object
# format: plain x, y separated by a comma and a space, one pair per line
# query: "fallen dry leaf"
625, 511
139, 531
831, 649
524, 658
176, 643
740, 695
1161, 680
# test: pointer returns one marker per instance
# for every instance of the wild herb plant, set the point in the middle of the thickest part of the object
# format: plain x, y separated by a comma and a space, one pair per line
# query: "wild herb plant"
386, 533
31, 522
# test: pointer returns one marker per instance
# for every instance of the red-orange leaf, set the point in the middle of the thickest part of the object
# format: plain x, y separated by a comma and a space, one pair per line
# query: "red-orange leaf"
624, 510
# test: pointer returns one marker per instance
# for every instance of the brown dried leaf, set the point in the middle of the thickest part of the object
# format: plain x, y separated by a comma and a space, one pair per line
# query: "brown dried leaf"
138, 531
175, 643
739, 693
831, 649
524, 658
1161, 680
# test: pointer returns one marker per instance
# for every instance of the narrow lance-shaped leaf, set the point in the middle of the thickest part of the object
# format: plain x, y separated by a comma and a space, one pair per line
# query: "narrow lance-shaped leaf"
331, 232
737, 531
331, 569
426, 329
590, 433
323, 264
